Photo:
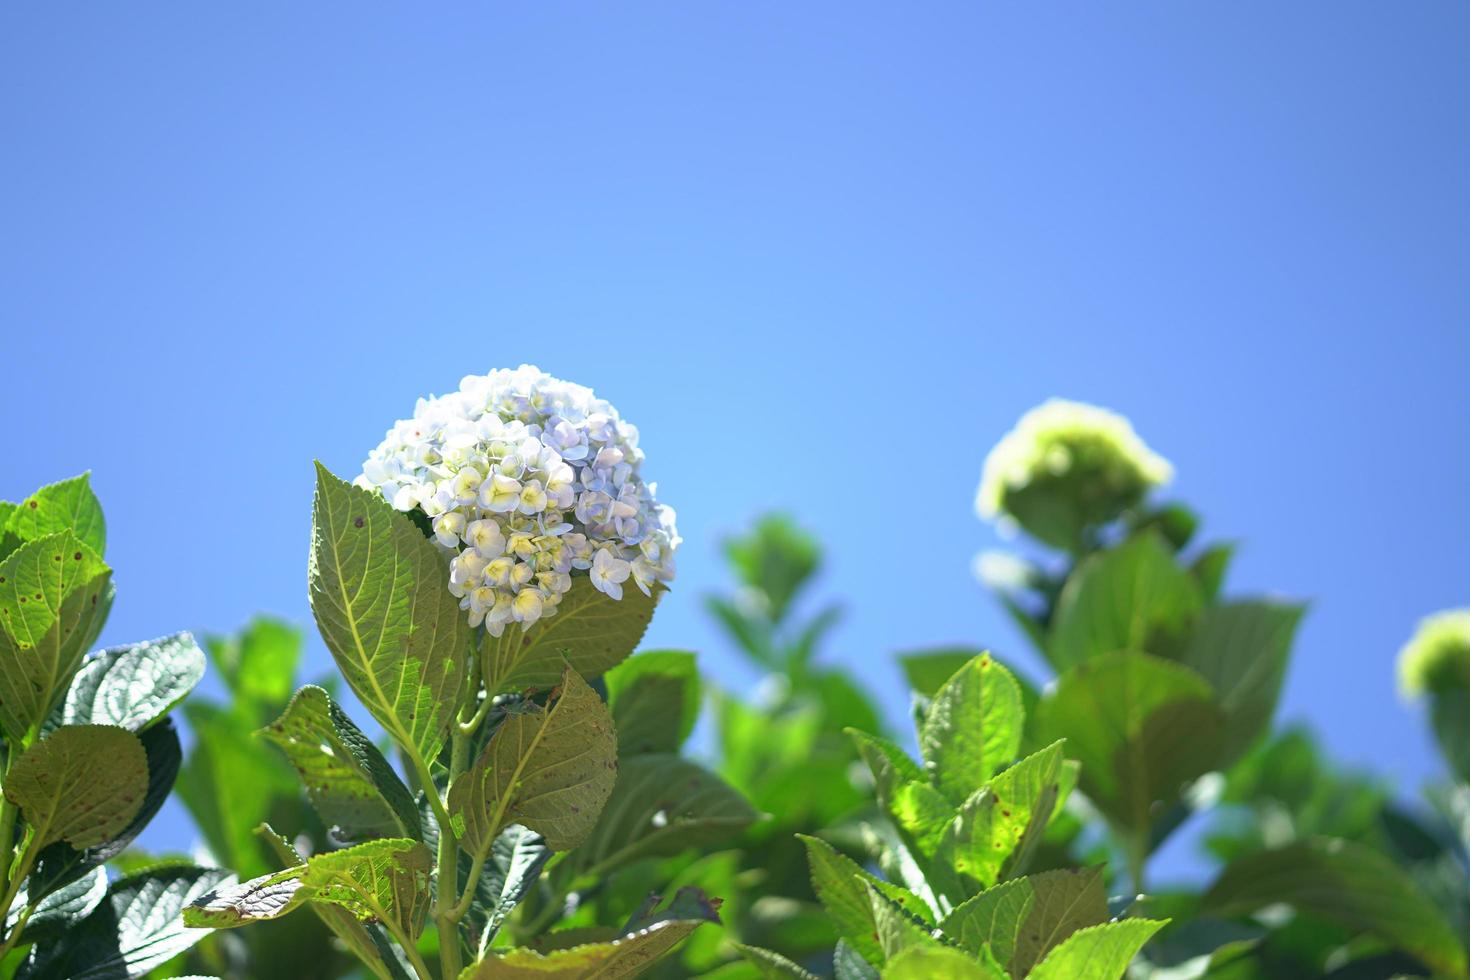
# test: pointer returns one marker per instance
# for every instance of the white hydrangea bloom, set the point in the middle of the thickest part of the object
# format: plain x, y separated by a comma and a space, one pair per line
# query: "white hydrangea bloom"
528, 480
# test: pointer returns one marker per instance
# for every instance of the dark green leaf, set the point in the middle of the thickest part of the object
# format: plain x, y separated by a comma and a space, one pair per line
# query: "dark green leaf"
66, 506
61, 910
1241, 649
136, 927
848, 964
135, 685
1209, 569
655, 701
380, 593
347, 779
1345, 883
1141, 727
1132, 597
515, 863
662, 805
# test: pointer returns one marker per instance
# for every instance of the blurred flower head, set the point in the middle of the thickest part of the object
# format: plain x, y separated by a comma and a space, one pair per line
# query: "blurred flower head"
1065, 467
527, 480
1438, 655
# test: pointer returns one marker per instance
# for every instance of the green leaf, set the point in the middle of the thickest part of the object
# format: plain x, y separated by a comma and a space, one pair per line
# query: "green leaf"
998, 826
1022, 919
259, 664
923, 817
60, 863
890, 765
1141, 727
847, 964
771, 965
136, 928
1241, 649
1132, 597
61, 910
550, 769
1100, 952
645, 940
380, 593
383, 880
230, 787
1346, 883
894, 926
1449, 712
82, 784
54, 596
972, 728
591, 631
1210, 567
66, 506
343, 924
928, 670
941, 963
662, 805
348, 781
655, 701
135, 685
776, 558
842, 887
515, 863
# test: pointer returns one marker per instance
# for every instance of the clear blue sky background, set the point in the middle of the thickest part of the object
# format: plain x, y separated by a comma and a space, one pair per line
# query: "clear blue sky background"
823, 254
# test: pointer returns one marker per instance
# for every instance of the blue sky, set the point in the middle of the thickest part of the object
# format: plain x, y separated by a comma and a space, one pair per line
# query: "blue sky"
823, 254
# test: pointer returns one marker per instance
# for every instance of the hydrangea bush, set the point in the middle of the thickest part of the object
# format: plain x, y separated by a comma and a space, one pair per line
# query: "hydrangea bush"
517, 500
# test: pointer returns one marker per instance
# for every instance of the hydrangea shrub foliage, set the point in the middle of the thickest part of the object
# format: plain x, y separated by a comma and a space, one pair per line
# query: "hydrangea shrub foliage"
469, 587
90, 754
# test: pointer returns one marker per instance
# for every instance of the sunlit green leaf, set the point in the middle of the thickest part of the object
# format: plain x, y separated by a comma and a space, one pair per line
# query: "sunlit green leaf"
928, 670
972, 728
1100, 952
591, 631
644, 941
550, 769
941, 963
842, 887
258, 664
380, 593
1022, 919
997, 827
894, 926
82, 784
69, 505
347, 779
54, 596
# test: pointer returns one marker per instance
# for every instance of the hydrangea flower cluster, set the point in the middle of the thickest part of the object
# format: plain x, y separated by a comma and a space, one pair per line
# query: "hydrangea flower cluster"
528, 480
1067, 466
1438, 655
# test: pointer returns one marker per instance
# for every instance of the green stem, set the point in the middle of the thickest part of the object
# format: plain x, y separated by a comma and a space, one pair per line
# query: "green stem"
1137, 848
447, 910
27, 861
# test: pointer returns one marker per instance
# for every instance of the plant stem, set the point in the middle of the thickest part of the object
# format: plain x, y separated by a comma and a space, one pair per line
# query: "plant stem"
1137, 848
447, 913
27, 861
